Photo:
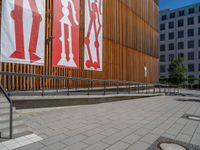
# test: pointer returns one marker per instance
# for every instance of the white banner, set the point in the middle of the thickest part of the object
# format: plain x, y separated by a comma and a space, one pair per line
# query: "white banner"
93, 35
23, 31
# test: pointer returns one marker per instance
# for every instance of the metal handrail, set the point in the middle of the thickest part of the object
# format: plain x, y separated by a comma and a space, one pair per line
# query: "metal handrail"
11, 110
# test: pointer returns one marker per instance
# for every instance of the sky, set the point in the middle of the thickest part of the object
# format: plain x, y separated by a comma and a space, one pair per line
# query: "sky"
173, 4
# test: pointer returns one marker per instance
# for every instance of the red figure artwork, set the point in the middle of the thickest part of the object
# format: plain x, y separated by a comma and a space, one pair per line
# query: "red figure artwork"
17, 15
93, 35
23, 31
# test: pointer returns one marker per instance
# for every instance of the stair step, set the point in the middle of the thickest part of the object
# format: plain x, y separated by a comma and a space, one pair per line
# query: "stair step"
16, 130
16, 122
6, 110
6, 116
4, 105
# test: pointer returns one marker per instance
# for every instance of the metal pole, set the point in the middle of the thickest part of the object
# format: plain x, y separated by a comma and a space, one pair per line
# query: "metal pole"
117, 87
68, 87
104, 88
42, 87
138, 89
11, 120
88, 87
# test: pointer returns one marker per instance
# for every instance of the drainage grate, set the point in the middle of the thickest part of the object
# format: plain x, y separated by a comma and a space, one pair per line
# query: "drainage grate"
169, 144
191, 117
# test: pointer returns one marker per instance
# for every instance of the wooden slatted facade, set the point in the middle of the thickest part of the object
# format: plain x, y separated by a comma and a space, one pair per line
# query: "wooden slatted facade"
130, 40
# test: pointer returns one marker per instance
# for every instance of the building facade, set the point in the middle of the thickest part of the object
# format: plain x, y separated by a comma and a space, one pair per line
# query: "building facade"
130, 43
180, 37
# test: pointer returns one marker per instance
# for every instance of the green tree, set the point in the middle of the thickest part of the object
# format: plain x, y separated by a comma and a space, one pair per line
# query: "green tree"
177, 72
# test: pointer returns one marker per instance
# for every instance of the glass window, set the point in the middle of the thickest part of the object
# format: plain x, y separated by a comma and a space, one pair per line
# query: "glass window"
171, 35
171, 57
162, 58
191, 56
181, 55
181, 13
190, 32
162, 37
171, 46
191, 10
190, 67
191, 81
162, 26
162, 69
190, 44
171, 25
190, 20
164, 17
172, 15
180, 45
162, 47
180, 34
180, 23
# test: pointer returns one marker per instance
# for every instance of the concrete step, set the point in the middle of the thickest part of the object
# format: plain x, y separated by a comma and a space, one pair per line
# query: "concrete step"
6, 116
5, 110
19, 129
16, 122
4, 105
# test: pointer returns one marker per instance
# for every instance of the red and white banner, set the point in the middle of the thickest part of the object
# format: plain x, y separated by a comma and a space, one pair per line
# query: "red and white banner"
93, 35
66, 33
23, 31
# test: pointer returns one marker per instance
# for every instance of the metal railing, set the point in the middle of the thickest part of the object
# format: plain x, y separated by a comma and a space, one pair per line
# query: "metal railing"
89, 86
10, 112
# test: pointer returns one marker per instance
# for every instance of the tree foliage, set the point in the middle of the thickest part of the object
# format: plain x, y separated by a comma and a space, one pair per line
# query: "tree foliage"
177, 72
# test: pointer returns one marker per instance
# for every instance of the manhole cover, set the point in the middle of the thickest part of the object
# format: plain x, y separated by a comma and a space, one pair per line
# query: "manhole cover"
170, 146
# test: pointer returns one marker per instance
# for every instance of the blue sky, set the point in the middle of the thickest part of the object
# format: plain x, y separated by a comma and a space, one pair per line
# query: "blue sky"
172, 4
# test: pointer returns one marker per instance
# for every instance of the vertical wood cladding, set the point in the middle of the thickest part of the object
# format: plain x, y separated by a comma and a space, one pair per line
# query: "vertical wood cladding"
130, 41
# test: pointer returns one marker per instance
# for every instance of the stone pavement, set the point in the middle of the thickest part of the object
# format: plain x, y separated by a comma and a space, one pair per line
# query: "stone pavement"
124, 125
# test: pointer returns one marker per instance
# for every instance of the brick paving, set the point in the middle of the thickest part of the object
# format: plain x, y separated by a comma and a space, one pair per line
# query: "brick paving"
124, 125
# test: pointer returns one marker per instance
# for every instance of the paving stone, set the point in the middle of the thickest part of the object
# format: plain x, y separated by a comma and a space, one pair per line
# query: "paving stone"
158, 131
54, 139
94, 139
142, 131
131, 139
34, 146
118, 146
139, 146
183, 138
98, 146
56, 146
74, 139
77, 146
150, 138
196, 139
109, 132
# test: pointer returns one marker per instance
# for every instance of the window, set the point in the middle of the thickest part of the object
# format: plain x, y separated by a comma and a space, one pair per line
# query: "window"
180, 34
199, 67
198, 31
190, 44
162, 37
171, 57
172, 15
171, 25
180, 45
162, 26
180, 23
191, 11
164, 17
199, 19
162, 48
190, 20
171, 35
199, 55
190, 67
162, 58
162, 69
181, 13
181, 55
191, 56
191, 81
198, 43
190, 32
171, 46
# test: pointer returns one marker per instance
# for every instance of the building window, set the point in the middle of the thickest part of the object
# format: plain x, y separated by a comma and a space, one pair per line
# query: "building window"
190, 44
198, 43
162, 48
180, 34
171, 57
191, 11
191, 56
181, 13
162, 58
198, 31
190, 67
181, 55
162, 37
199, 55
171, 35
164, 17
171, 46
191, 81
172, 15
180, 23
180, 45
191, 21
199, 67
162, 69
171, 25
190, 32
162, 27
199, 19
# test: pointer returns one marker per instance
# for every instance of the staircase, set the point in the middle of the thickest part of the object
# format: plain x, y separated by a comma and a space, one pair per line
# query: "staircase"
18, 124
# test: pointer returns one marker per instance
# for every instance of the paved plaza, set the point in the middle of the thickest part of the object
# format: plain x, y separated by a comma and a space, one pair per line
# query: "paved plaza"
124, 125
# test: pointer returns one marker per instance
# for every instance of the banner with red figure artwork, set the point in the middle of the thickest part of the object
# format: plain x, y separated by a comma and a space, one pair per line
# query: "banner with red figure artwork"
93, 35
23, 31
66, 33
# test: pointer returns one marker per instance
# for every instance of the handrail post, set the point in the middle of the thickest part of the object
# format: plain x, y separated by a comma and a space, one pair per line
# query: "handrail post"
88, 87
138, 88
104, 87
146, 89
11, 120
117, 87
68, 87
